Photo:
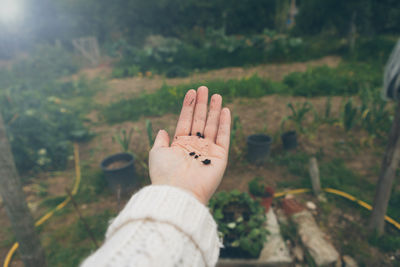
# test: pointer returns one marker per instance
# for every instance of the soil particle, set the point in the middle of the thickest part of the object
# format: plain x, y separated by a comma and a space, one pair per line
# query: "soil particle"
117, 164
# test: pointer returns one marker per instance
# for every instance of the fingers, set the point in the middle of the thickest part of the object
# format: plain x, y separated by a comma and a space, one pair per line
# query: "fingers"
200, 112
224, 129
210, 132
162, 139
186, 117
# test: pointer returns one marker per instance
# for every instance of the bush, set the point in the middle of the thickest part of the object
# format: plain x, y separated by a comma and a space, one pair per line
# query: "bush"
346, 79
40, 125
241, 223
176, 58
46, 63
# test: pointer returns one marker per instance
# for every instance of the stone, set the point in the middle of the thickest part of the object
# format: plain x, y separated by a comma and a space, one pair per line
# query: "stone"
298, 253
320, 249
349, 261
275, 250
311, 206
282, 218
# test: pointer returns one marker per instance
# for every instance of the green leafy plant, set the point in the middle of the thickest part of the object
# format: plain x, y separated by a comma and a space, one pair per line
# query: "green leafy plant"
149, 129
299, 113
123, 138
257, 188
349, 115
240, 222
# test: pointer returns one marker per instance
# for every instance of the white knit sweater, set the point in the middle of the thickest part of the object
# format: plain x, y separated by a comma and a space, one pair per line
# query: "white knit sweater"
160, 226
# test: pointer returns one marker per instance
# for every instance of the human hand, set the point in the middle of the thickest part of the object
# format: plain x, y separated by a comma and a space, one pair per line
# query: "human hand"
194, 163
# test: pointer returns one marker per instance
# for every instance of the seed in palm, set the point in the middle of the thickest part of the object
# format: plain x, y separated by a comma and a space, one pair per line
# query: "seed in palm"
192, 153
206, 161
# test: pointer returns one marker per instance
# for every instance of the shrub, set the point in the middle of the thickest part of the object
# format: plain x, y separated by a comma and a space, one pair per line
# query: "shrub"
40, 125
177, 58
240, 221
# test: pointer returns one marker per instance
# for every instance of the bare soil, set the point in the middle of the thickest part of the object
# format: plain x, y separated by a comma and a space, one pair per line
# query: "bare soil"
117, 165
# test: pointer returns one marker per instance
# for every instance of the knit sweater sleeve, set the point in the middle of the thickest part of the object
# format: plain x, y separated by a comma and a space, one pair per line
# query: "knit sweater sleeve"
159, 226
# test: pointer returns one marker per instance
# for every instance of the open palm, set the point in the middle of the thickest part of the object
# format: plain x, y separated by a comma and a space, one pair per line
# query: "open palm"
197, 158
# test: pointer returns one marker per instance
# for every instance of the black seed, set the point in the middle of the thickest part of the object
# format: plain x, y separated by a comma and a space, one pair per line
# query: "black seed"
191, 154
206, 161
202, 136
196, 156
198, 134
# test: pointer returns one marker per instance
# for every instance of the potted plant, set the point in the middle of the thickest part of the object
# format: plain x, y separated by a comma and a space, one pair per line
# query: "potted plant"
259, 190
240, 222
289, 140
258, 148
119, 168
298, 116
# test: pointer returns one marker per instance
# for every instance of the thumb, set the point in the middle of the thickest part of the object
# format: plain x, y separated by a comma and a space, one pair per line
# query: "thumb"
162, 139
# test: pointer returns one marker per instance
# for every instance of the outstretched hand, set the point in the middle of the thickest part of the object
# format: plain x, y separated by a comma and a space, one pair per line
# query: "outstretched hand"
197, 158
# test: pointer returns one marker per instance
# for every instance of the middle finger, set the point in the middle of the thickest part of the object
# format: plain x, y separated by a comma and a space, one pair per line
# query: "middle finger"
200, 112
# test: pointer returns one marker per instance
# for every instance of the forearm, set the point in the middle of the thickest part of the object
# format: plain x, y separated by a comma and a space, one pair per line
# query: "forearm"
160, 226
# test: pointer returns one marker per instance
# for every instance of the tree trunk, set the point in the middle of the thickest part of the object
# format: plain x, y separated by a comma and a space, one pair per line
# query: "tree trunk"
390, 164
14, 200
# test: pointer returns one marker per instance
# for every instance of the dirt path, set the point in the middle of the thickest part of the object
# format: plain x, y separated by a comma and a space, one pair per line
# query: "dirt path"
121, 88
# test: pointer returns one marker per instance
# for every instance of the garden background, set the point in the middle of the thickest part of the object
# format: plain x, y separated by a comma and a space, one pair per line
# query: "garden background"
311, 66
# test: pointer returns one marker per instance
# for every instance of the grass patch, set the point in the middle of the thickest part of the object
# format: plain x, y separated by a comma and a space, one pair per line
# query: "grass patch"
347, 79
70, 245
93, 184
166, 98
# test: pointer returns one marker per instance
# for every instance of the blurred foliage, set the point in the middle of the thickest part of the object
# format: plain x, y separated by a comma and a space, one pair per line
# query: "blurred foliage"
346, 79
214, 49
134, 20
240, 222
70, 245
333, 17
42, 113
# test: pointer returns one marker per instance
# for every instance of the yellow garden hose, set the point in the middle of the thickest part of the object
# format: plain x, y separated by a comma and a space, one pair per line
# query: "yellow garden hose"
342, 194
47, 216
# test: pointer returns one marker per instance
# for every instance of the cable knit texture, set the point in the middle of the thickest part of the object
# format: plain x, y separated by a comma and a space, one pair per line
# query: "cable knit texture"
160, 226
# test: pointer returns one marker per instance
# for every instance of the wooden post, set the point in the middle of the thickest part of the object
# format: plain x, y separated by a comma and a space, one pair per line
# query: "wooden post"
389, 166
17, 210
314, 174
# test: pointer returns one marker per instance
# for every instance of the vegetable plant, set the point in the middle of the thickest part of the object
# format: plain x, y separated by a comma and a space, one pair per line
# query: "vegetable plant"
257, 188
298, 115
349, 115
123, 138
240, 222
149, 129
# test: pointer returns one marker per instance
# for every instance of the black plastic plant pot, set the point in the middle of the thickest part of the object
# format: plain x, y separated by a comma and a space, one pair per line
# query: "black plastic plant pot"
289, 140
120, 172
258, 148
